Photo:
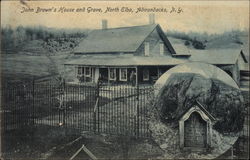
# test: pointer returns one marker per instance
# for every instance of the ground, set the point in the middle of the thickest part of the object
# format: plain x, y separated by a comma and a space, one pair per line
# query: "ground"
57, 143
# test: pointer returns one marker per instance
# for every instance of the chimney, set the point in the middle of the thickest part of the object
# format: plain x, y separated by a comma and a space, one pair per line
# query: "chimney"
151, 18
104, 24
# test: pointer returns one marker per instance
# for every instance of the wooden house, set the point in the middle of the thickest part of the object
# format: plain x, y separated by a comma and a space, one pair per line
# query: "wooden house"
137, 55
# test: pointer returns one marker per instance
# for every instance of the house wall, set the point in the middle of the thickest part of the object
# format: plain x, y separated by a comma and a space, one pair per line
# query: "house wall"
242, 64
234, 71
154, 46
154, 73
244, 72
70, 73
102, 73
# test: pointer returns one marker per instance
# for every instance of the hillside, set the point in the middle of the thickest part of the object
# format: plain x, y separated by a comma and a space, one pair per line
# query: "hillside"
35, 59
234, 41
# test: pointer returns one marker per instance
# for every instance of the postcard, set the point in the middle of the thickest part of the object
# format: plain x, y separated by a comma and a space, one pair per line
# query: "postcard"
124, 79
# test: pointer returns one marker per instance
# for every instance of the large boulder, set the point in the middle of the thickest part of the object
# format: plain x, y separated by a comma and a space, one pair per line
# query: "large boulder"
224, 102
176, 92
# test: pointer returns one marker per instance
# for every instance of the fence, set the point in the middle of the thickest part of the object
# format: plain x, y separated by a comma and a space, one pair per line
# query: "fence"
114, 109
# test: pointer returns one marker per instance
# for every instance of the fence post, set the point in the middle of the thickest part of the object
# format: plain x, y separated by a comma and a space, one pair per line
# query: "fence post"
94, 115
137, 111
96, 108
97, 103
94, 118
33, 101
64, 102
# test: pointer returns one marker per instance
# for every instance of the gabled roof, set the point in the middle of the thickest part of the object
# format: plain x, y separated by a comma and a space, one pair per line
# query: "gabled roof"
200, 106
204, 110
119, 40
216, 57
179, 47
243, 56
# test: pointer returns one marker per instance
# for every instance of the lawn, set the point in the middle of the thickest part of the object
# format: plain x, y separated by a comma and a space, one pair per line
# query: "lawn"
117, 112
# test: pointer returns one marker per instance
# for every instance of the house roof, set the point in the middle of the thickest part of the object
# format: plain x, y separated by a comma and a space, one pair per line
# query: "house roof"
221, 56
179, 46
216, 57
124, 60
118, 40
243, 56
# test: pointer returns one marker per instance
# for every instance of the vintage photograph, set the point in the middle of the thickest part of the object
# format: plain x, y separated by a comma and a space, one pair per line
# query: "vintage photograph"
124, 80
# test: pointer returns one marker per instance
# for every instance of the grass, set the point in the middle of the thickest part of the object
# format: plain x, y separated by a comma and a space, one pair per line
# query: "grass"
110, 147
117, 109
117, 114
31, 143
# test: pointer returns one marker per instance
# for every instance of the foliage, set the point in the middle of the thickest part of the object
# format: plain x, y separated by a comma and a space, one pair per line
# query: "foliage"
198, 44
14, 38
187, 43
199, 40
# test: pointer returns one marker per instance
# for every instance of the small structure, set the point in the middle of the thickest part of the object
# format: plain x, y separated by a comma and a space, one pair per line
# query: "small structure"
195, 128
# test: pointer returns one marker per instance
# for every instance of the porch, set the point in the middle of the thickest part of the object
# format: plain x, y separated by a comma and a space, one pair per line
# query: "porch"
119, 75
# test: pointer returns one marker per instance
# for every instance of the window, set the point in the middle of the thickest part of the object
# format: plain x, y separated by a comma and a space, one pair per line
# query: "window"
79, 70
145, 74
146, 48
161, 48
112, 74
87, 71
123, 74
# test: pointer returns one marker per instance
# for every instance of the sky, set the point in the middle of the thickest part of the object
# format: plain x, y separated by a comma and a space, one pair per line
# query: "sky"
196, 16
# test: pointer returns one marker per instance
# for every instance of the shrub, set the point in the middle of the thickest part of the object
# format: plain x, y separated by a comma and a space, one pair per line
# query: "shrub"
187, 43
198, 45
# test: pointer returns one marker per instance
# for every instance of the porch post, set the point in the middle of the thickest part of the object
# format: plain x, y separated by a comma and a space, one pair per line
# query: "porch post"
84, 73
108, 76
136, 81
93, 74
158, 72
97, 74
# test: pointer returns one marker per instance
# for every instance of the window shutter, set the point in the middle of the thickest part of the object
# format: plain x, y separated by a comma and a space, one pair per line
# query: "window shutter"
146, 48
161, 49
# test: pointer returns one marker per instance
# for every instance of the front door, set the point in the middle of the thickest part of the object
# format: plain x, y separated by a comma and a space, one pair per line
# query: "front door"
195, 131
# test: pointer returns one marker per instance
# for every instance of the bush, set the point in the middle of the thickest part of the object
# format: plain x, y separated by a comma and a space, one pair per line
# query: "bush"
198, 45
187, 43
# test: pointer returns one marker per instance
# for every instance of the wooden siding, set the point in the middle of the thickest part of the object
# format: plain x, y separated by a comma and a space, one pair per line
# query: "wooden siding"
154, 40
